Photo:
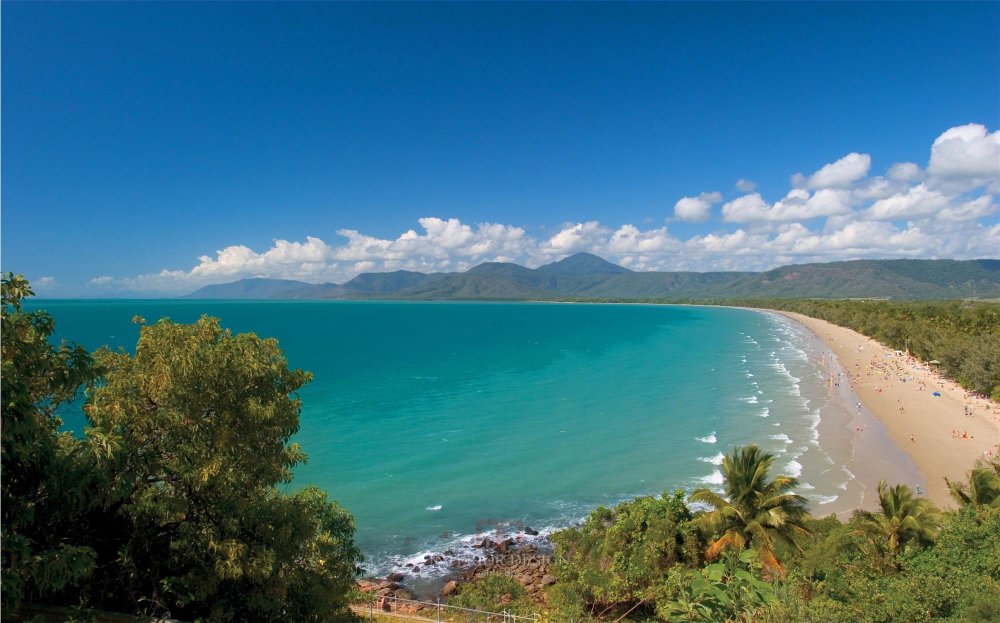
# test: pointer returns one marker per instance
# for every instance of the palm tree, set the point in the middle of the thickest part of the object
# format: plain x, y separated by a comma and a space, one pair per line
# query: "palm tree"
906, 517
983, 488
755, 510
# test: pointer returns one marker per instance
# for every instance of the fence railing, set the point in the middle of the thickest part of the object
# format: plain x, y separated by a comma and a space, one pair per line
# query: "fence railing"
440, 612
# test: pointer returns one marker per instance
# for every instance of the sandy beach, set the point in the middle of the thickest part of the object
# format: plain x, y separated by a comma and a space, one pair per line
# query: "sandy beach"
943, 435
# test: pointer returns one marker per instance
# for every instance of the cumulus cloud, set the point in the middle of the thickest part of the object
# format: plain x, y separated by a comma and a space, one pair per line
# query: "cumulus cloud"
917, 201
629, 239
746, 186
573, 238
797, 205
975, 209
842, 173
696, 209
966, 157
904, 172
946, 209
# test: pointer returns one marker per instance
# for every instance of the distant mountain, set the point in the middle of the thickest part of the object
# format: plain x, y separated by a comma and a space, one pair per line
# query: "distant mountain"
582, 264
586, 276
255, 288
899, 279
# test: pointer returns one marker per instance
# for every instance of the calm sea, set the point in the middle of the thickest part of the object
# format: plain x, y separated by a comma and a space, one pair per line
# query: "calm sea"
434, 422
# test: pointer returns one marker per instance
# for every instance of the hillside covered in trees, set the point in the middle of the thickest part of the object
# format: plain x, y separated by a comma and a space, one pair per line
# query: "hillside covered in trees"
588, 277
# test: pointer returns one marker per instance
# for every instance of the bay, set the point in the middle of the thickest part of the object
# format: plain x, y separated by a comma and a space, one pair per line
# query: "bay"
437, 422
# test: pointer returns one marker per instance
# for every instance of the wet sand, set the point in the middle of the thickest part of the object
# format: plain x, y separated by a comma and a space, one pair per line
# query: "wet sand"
942, 435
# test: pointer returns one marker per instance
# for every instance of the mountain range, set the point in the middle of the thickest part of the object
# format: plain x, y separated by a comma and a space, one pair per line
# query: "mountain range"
587, 276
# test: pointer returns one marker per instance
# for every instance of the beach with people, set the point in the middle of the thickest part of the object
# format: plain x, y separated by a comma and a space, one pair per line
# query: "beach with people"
943, 428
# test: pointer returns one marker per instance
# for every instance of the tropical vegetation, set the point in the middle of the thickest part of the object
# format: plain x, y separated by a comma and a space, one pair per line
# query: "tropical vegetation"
755, 510
908, 561
169, 503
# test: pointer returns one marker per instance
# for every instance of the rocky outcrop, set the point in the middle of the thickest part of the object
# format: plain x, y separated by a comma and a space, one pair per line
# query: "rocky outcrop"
525, 563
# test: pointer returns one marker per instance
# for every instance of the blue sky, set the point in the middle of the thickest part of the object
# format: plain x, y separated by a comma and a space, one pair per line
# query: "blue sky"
153, 148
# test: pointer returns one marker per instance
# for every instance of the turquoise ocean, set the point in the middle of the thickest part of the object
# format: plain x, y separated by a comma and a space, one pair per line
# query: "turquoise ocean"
436, 423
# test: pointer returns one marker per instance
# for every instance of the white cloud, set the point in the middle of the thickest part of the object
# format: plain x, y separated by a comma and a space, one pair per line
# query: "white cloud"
696, 209
628, 239
838, 212
797, 205
574, 238
967, 156
842, 173
917, 201
904, 172
43, 283
975, 209
746, 186
746, 208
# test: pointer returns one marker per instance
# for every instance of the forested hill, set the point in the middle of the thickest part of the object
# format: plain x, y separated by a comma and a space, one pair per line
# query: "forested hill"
586, 276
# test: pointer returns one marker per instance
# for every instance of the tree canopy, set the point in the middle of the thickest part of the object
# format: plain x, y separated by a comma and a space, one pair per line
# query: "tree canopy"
169, 503
755, 510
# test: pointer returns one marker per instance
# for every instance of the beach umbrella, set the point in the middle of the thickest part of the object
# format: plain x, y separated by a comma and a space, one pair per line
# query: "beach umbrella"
938, 394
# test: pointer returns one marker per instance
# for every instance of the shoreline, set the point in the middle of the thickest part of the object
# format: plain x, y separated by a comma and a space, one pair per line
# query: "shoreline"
900, 414
871, 442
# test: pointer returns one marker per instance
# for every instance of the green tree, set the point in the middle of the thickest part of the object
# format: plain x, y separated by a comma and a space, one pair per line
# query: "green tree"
755, 510
983, 487
47, 477
204, 420
494, 593
727, 591
620, 555
905, 517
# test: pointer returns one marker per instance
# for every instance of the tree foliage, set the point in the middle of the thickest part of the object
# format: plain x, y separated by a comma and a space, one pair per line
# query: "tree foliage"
755, 510
727, 591
982, 488
905, 517
620, 554
169, 503
494, 592
908, 562
44, 473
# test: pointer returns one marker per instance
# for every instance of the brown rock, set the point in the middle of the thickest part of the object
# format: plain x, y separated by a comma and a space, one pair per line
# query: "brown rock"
548, 580
450, 588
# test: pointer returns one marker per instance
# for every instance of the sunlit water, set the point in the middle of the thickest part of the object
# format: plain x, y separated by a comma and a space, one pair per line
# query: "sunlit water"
435, 422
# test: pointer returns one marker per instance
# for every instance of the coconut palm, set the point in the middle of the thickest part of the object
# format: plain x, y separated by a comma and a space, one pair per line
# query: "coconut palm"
906, 517
755, 511
982, 489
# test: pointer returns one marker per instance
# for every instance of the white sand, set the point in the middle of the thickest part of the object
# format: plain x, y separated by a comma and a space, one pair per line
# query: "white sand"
937, 433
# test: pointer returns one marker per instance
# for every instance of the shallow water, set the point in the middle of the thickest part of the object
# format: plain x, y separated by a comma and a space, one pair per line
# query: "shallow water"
437, 422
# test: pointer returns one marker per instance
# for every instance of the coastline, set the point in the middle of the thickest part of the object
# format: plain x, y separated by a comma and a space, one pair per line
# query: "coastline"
872, 442
896, 394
